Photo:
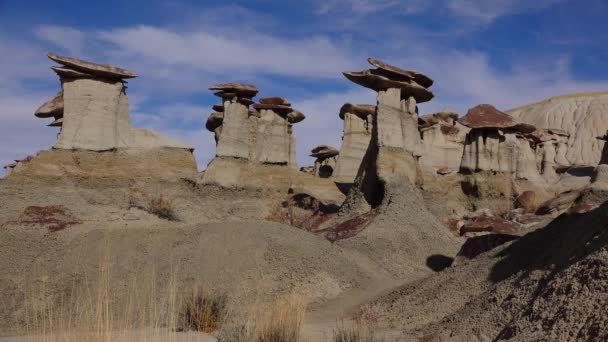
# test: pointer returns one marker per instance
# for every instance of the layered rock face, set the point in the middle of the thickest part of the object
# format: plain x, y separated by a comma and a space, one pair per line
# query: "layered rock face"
443, 142
358, 123
582, 116
92, 109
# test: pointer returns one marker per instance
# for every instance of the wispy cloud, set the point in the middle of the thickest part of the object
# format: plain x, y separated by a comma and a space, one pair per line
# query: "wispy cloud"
214, 52
488, 10
67, 38
484, 11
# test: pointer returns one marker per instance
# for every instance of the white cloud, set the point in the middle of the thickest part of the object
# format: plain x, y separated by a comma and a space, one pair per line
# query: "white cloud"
213, 52
488, 10
363, 7
67, 38
484, 11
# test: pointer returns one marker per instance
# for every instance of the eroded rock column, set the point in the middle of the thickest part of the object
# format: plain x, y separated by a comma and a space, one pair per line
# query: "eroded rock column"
234, 138
358, 123
92, 109
390, 160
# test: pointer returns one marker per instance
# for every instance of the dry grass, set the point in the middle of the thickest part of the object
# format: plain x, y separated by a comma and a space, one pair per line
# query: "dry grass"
202, 311
283, 322
355, 332
96, 310
280, 322
162, 208
92, 311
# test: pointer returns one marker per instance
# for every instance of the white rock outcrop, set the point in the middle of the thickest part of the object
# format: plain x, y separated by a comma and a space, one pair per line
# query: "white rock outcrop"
581, 116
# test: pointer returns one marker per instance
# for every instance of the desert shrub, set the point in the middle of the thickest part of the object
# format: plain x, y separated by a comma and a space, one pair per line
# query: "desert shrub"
163, 208
283, 322
202, 312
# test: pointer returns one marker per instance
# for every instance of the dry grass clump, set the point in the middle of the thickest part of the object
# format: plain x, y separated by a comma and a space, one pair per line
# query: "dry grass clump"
281, 322
162, 208
202, 312
355, 332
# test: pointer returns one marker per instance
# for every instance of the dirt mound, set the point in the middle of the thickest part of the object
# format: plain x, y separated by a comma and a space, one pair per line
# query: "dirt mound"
549, 285
250, 261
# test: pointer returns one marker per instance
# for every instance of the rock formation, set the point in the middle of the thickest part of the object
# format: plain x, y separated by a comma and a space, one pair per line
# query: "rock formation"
385, 182
443, 142
325, 162
262, 134
358, 122
496, 143
92, 109
581, 116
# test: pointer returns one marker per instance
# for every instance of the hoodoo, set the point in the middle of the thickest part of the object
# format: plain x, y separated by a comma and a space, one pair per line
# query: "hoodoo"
385, 181
496, 143
92, 109
325, 162
358, 123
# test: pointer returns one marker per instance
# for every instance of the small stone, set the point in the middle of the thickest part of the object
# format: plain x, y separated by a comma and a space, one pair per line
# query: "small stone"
492, 224
279, 109
526, 201
51, 108
102, 70
275, 101
57, 123
444, 171
324, 151
487, 116
214, 121
295, 117
360, 110
240, 89
582, 208
368, 79
218, 108
561, 202
393, 71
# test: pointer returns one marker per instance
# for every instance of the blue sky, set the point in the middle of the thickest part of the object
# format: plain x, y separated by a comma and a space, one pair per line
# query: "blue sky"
504, 52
